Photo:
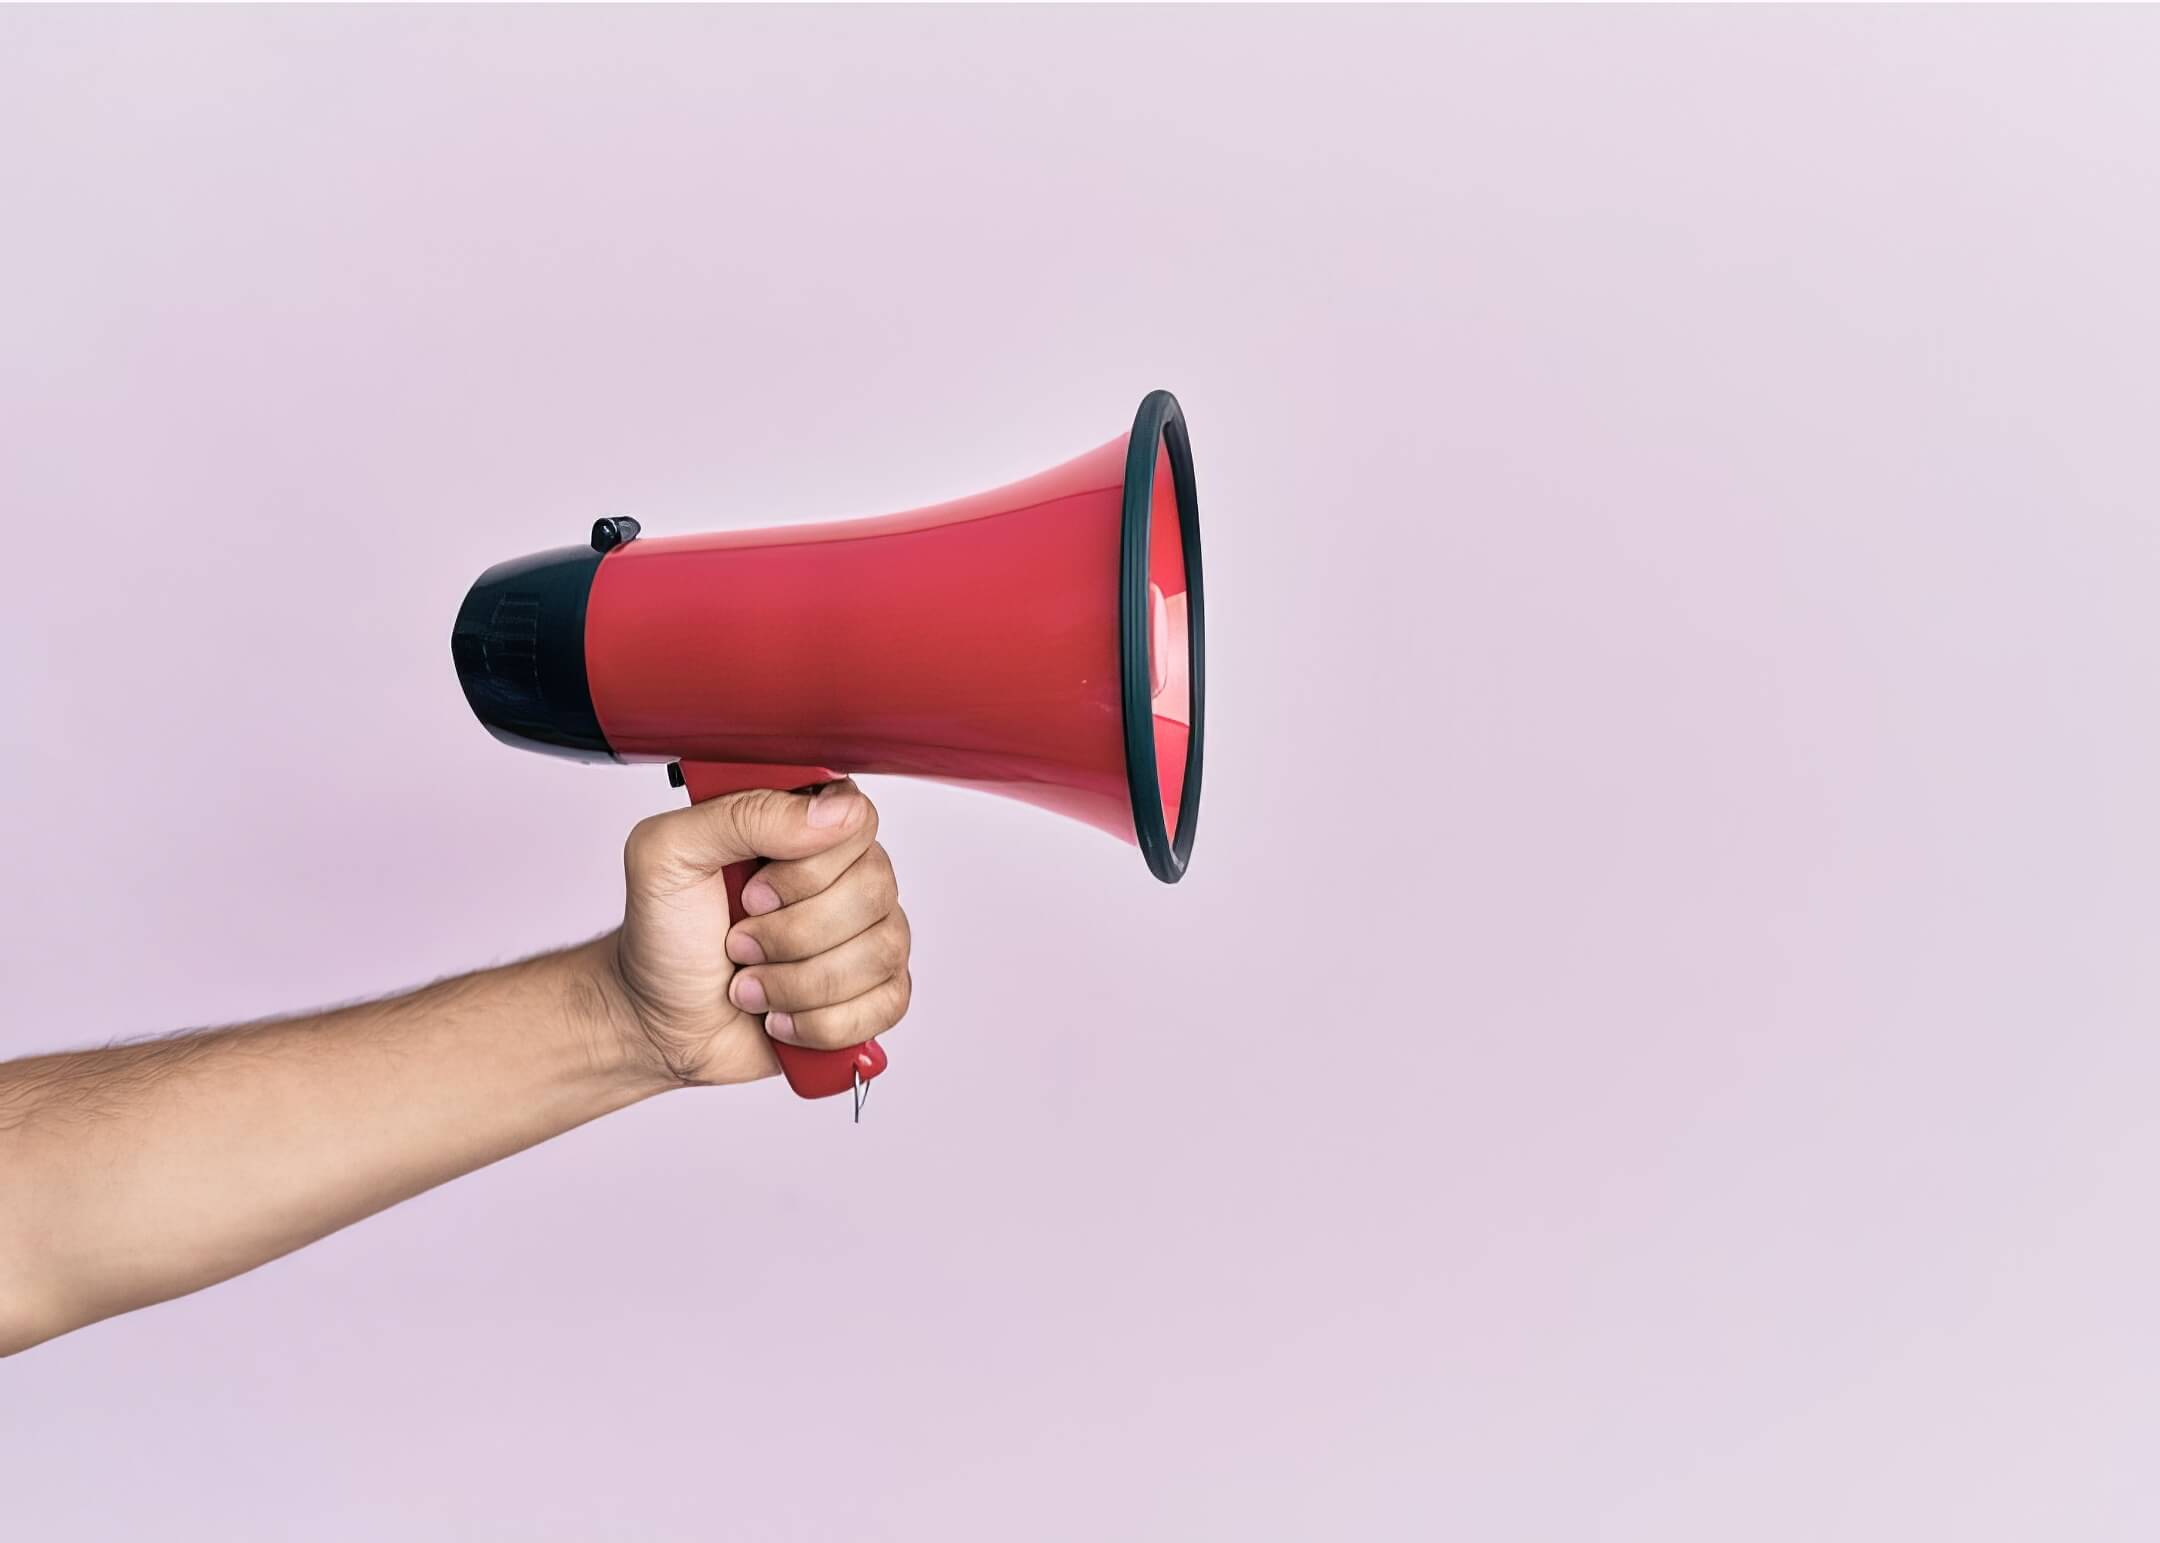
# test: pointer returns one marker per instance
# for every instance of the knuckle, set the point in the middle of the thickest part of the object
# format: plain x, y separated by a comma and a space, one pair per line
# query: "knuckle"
779, 983
868, 894
818, 982
893, 940
828, 1030
884, 882
645, 848
776, 934
902, 995
755, 811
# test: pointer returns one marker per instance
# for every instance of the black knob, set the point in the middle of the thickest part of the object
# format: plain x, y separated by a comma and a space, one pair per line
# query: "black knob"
612, 531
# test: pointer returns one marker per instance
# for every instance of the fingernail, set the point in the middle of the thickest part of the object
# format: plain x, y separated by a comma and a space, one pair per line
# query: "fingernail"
833, 806
780, 1025
749, 993
759, 897
743, 948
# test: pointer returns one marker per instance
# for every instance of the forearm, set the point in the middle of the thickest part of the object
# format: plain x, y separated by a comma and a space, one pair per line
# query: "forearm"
143, 1172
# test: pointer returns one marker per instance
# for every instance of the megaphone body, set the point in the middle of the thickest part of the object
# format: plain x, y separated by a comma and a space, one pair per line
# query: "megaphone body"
1043, 640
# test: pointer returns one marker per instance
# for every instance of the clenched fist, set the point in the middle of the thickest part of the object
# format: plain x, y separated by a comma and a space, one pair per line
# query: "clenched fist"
821, 960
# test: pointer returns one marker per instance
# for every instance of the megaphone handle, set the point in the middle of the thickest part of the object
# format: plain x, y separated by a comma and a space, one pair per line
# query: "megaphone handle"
811, 1073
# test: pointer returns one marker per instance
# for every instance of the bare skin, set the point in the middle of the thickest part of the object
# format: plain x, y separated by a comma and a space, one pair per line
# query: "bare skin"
137, 1173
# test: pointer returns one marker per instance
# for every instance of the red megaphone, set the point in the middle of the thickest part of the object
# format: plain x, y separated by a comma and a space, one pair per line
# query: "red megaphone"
1042, 640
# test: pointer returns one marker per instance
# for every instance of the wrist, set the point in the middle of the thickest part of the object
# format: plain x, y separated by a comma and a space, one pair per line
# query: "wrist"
601, 1005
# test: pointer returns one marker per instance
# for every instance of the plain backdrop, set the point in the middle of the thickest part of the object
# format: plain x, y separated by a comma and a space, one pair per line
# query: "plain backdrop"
1658, 1040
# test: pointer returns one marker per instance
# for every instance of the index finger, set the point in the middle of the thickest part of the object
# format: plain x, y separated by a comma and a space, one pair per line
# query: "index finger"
785, 882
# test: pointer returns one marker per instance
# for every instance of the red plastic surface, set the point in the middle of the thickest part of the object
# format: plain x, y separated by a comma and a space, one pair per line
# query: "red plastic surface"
811, 1073
975, 642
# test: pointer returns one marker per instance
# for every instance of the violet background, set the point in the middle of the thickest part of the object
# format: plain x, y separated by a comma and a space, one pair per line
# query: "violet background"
1659, 1038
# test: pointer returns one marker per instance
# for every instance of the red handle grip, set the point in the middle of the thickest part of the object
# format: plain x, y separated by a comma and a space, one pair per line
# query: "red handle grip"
811, 1073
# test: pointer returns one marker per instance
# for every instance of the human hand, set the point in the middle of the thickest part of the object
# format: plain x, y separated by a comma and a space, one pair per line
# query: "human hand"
823, 954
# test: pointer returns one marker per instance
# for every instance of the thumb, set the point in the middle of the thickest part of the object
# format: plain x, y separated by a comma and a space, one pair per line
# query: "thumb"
685, 846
